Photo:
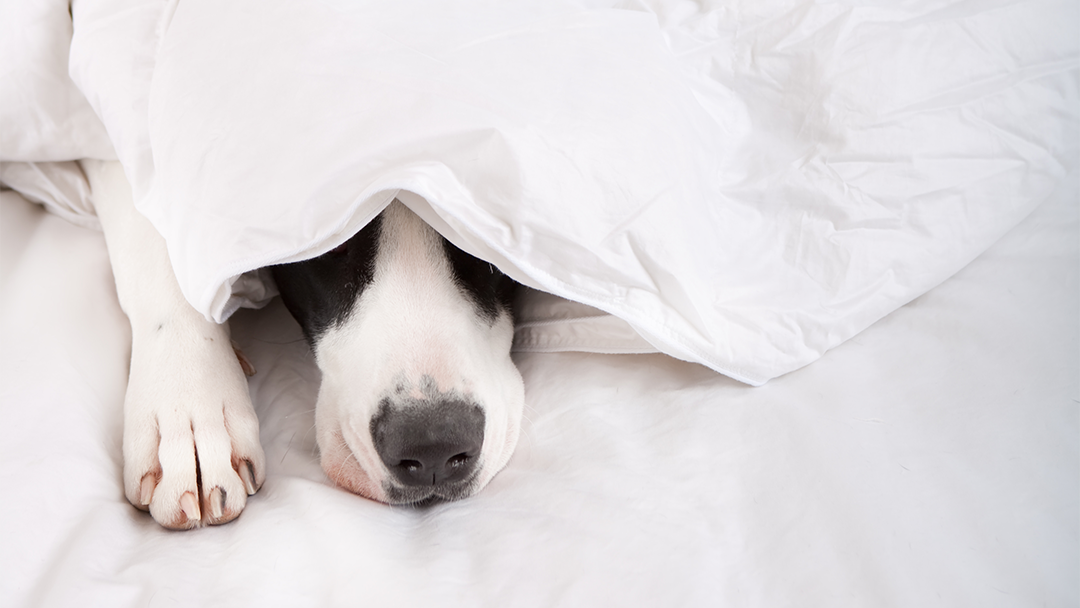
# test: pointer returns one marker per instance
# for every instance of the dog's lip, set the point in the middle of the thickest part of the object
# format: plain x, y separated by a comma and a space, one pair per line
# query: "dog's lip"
350, 441
418, 495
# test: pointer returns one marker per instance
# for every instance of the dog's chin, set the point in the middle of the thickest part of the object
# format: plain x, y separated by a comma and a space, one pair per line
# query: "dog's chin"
422, 495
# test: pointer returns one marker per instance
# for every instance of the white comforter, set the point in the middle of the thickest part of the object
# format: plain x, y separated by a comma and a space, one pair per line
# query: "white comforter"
747, 184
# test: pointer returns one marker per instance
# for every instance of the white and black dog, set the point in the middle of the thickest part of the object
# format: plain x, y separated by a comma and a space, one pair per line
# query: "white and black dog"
419, 398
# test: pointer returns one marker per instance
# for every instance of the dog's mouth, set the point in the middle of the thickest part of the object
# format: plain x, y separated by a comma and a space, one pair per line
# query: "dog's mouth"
427, 495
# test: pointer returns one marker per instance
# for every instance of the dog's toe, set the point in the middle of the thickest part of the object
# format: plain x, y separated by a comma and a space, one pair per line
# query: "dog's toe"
223, 492
222, 506
173, 472
196, 479
194, 459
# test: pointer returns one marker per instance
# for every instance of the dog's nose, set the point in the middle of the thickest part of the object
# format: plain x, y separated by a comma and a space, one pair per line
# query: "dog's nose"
429, 444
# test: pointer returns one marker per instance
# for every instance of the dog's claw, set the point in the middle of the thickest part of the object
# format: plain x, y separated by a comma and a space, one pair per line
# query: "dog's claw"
249, 369
248, 477
217, 502
146, 489
189, 504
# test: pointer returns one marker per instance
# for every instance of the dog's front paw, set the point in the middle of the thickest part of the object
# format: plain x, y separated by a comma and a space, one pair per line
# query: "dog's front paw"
191, 438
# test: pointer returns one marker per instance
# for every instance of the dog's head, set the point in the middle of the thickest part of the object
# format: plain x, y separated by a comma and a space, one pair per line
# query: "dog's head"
419, 398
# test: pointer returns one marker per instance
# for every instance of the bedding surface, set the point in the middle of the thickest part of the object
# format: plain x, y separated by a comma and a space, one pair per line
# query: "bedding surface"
931, 461
747, 184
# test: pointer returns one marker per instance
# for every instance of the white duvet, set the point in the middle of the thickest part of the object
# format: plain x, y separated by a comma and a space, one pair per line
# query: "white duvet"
747, 184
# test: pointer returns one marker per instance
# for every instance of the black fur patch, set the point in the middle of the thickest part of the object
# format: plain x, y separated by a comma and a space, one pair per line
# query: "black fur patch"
483, 283
320, 292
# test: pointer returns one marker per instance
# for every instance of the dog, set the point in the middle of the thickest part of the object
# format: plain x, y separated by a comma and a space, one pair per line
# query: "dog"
419, 401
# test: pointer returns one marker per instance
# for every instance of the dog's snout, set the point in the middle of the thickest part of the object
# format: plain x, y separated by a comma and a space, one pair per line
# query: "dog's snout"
431, 443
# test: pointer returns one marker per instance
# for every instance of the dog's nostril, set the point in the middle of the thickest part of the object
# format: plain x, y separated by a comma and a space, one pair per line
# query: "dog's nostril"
431, 443
431, 471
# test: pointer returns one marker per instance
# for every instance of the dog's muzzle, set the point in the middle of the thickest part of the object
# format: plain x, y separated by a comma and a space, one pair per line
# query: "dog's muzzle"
430, 449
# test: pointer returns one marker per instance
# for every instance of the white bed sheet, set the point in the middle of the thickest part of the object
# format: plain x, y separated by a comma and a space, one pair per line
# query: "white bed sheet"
930, 461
